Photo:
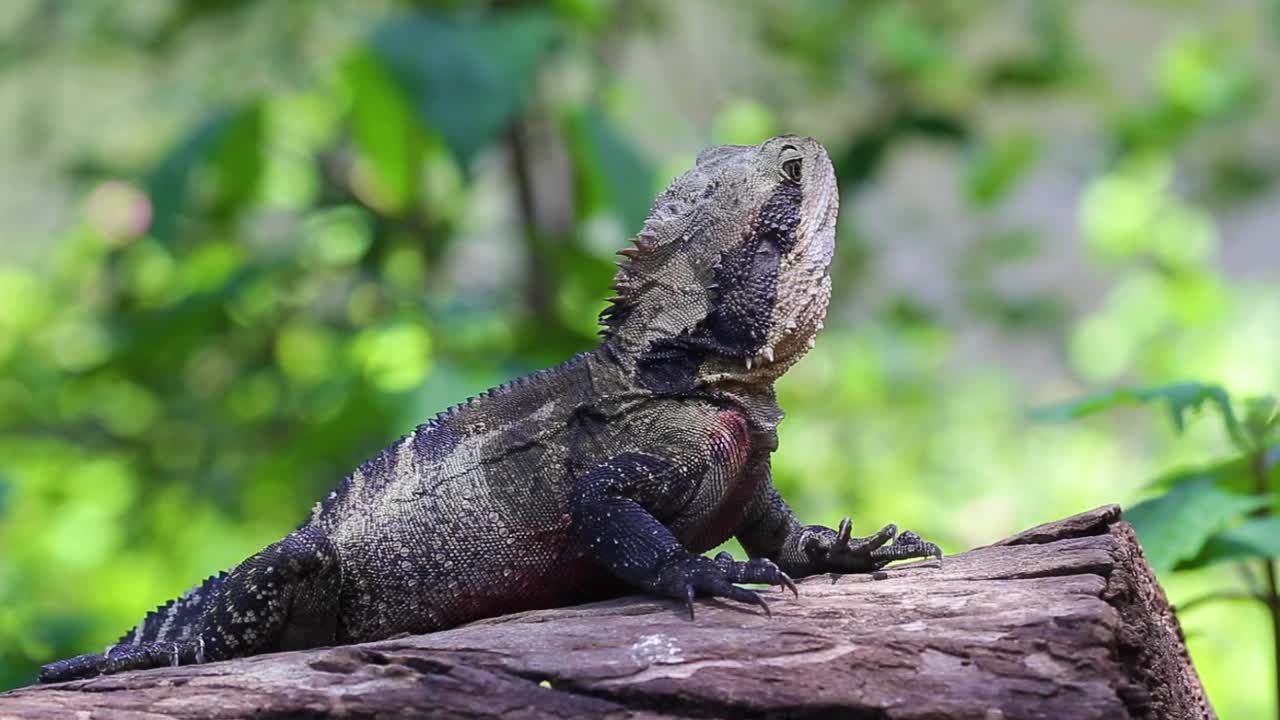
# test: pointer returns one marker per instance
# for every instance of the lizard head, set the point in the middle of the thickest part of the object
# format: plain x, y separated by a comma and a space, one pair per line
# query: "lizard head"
729, 277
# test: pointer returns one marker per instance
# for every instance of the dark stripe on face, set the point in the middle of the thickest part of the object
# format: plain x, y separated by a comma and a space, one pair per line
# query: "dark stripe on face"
779, 218
748, 277
747, 282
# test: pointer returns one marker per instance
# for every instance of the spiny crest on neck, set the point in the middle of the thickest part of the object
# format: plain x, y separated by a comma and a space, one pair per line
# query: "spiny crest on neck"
676, 216
627, 282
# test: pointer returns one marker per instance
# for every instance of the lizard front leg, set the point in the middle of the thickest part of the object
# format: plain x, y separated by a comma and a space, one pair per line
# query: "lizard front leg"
772, 530
616, 508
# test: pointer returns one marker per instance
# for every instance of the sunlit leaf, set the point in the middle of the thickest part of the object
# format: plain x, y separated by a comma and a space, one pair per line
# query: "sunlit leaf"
337, 236
467, 76
149, 273
385, 128
743, 122
306, 352
27, 300
1119, 208
394, 357
1253, 538
211, 265
1180, 398
237, 158
1205, 75
588, 14
1174, 527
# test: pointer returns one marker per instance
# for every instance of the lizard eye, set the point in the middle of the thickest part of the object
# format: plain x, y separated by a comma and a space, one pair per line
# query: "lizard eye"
791, 170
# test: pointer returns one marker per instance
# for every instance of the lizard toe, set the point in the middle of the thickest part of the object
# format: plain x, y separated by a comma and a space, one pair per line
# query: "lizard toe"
694, 575
756, 570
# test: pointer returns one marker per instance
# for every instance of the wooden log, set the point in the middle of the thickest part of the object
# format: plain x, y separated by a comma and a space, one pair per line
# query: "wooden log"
1061, 621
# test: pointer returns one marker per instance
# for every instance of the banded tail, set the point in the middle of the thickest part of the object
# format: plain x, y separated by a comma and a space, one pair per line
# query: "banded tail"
176, 620
283, 597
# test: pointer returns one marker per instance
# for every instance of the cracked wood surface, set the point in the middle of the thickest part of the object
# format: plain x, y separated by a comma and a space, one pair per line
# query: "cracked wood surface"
1058, 622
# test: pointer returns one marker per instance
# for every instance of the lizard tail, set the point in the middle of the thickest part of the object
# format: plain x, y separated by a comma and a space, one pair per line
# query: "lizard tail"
157, 640
177, 619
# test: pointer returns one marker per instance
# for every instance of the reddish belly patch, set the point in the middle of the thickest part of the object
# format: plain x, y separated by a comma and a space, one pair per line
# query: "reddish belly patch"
730, 443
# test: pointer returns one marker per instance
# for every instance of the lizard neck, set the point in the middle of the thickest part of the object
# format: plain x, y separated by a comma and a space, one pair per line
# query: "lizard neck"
680, 376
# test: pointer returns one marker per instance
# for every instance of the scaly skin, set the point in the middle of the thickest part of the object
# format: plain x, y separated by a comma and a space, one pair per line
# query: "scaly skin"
610, 472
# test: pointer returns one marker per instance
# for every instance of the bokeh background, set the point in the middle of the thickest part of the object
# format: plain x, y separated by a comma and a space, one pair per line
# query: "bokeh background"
245, 244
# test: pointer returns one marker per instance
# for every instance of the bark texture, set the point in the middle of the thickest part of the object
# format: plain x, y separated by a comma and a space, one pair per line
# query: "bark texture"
1061, 621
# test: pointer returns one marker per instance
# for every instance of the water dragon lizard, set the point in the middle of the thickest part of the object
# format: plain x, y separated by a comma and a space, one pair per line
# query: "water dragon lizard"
612, 472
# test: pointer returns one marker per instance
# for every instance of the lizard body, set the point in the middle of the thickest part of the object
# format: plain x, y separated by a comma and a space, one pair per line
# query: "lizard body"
612, 471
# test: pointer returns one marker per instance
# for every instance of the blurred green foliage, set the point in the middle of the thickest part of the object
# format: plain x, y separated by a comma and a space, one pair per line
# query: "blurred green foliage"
1214, 513
289, 231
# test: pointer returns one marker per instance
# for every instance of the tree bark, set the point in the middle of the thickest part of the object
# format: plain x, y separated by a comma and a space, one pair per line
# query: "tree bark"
1062, 621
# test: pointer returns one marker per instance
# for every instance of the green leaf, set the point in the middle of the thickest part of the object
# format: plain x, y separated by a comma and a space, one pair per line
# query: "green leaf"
1181, 398
997, 167
229, 141
385, 128
1174, 527
1237, 475
1234, 474
468, 76
609, 171
1262, 420
169, 184
237, 157
904, 40
1254, 538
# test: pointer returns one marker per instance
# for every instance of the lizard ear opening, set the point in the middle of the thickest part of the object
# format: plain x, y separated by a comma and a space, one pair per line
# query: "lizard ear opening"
791, 170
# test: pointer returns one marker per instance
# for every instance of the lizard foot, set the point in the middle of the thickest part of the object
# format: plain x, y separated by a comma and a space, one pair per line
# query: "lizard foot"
687, 575
838, 551
119, 658
756, 570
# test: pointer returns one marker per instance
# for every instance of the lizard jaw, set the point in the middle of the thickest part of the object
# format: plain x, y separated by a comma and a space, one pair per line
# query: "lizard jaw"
787, 348
767, 355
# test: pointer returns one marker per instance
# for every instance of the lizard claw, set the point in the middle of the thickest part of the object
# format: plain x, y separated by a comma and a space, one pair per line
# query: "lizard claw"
690, 575
907, 545
755, 570
763, 605
786, 582
839, 551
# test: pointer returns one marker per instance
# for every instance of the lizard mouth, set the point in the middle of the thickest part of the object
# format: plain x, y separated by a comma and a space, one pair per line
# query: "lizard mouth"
799, 332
